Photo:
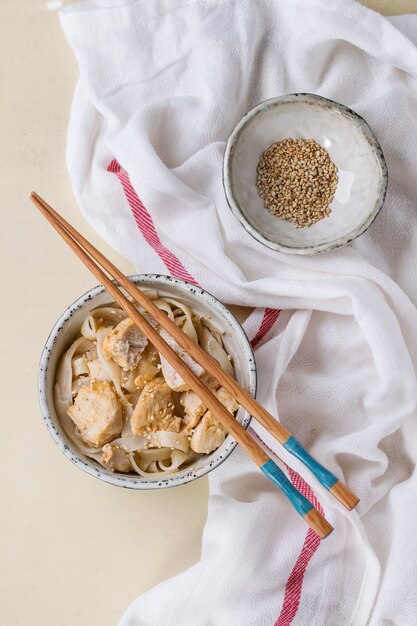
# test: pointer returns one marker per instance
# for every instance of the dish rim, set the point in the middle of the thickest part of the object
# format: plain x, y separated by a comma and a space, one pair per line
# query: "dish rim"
131, 481
354, 118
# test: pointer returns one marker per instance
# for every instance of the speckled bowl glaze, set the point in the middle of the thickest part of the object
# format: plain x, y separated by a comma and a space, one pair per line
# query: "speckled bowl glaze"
66, 330
351, 145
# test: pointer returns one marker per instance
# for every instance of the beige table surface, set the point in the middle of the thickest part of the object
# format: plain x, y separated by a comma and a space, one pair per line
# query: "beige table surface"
74, 551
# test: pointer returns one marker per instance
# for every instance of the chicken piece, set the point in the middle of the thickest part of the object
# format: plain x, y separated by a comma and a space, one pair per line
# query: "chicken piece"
125, 344
155, 409
147, 369
97, 413
227, 399
80, 366
189, 422
115, 458
209, 434
173, 379
194, 409
193, 406
97, 371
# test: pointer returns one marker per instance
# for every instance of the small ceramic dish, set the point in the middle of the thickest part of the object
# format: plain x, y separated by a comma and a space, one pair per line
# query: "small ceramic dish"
66, 330
351, 145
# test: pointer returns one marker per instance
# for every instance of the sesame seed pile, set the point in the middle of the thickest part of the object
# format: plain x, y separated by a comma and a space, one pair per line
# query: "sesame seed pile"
297, 181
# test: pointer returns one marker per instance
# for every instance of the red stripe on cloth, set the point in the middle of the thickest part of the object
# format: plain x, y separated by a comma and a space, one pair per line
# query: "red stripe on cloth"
293, 588
294, 585
268, 320
146, 226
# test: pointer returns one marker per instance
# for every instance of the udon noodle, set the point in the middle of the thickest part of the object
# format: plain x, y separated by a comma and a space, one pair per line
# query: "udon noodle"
123, 405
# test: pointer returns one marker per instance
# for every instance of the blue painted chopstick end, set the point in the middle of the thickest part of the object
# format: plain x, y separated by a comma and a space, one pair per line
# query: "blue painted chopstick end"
277, 476
323, 475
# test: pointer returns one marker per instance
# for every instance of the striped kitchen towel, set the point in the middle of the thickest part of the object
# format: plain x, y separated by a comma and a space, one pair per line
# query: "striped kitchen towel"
162, 84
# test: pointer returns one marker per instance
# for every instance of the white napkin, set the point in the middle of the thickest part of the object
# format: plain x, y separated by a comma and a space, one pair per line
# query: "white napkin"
161, 86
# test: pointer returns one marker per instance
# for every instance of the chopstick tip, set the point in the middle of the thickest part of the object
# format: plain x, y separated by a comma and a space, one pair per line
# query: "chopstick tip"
344, 495
318, 523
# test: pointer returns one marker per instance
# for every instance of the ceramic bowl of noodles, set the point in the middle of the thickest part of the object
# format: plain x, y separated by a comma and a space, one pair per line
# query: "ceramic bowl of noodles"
118, 410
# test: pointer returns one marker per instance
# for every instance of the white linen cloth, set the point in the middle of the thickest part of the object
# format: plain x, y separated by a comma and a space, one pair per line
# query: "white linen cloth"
162, 84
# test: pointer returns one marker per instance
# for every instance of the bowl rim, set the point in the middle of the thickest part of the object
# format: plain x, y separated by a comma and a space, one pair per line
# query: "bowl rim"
129, 480
346, 112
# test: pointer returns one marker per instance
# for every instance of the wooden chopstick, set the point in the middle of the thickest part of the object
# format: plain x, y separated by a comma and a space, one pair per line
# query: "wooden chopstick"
279, 432
264, 462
